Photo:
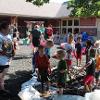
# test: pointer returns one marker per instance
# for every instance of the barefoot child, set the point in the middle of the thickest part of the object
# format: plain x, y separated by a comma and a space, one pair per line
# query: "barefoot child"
43, 66
61, 71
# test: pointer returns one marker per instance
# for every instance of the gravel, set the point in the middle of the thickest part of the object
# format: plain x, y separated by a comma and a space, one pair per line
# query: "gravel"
21, 69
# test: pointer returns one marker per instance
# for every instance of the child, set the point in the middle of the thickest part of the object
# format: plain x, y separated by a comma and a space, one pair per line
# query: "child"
43, 66
61, 71
97, 74
90, 67
78, 51
48, 46
69, 47
90, 74
88, 45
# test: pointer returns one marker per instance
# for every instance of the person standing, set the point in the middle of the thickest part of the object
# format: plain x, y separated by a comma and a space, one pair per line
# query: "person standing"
61, 69
49, 32
43, 66
6, 49
36, 38
78, 48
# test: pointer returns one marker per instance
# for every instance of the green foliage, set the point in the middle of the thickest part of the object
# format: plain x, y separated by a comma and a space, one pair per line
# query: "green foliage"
38, 2
84, 7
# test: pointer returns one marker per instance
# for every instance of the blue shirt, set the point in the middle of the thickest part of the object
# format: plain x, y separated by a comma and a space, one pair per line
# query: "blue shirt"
4, 60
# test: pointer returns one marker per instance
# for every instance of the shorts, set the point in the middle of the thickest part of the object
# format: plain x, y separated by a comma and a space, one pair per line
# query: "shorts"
97, 75
3, 67
44, 76
61, 85
69, 63
78, 56
88, 80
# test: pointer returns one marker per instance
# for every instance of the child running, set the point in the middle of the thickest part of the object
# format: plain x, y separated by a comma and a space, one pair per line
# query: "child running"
78, 47
61, 71
43, 66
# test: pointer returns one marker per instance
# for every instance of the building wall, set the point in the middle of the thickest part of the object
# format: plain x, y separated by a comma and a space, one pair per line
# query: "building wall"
88, 21
5, 18
80, 24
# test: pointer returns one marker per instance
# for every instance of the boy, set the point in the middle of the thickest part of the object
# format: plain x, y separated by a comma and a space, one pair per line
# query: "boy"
78, 51
61, 71
43, 66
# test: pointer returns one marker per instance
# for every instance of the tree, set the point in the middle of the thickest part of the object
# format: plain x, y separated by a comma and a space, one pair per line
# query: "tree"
84, 7
38, 2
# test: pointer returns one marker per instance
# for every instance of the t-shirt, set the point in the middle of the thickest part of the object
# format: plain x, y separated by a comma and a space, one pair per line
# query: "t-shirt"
67, 48
61, 66
42, 63
90, 70
5, 40
47, 52
92, 52
78, 48
36, 34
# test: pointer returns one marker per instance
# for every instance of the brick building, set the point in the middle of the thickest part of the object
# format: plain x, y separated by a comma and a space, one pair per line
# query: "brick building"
20, 12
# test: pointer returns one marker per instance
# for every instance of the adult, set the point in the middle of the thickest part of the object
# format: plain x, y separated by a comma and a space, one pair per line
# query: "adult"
35, 37
6, 49
49, 32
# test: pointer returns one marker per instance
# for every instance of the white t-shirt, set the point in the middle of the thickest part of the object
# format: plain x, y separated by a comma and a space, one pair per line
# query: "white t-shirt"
69, 47
4, 60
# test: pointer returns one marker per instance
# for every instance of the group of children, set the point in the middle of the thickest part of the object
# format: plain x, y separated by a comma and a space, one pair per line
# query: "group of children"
41, 62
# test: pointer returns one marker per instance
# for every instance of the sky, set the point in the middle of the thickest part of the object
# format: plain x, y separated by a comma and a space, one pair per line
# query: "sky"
60, 1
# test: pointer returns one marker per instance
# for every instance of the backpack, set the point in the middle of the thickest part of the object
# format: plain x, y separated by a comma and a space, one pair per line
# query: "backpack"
49, 31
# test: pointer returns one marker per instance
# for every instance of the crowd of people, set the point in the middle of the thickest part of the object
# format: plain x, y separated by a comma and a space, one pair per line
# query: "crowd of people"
42, 43
72, 48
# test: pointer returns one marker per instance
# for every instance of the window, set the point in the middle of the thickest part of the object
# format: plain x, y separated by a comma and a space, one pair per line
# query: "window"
69, 30
64, 30
64, 23
69, 22
76, 30
76, 22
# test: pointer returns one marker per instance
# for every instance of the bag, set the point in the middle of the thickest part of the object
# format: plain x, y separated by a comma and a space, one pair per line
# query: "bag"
49, 31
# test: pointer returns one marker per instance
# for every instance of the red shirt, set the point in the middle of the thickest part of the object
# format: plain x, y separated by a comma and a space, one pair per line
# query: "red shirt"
42, 63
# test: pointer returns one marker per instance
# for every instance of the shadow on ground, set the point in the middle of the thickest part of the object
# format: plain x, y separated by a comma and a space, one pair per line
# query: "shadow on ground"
21, 57
14, 84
